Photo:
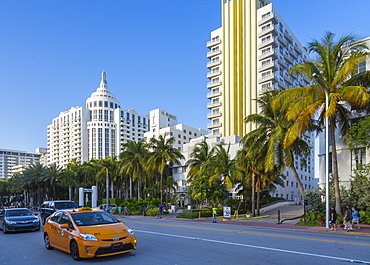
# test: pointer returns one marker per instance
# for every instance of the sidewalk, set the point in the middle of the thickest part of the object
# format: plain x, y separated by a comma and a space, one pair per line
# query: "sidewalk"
263, 221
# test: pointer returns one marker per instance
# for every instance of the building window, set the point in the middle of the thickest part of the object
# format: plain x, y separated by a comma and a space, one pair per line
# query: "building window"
100, 103
106, 104
358, 157
111, 105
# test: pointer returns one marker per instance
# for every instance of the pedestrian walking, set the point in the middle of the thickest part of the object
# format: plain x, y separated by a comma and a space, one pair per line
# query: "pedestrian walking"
214, 214
355, 218
125, 210
333, 219
160, 210
347, 219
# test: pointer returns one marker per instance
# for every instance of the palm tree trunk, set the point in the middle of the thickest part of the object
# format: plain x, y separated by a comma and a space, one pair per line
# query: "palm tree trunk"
112, 188
253, 194
296, 175
338, 207
139, 186
130, 187
161, 188
258, 203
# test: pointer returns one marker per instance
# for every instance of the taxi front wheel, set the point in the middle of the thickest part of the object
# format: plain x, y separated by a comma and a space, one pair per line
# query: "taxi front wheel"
74, 251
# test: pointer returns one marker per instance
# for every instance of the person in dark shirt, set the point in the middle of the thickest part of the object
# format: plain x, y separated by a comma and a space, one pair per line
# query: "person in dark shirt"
333, 219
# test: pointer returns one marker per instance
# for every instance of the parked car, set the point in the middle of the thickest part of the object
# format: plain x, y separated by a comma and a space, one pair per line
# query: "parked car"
87, 233
18, 219
110, 208
49, 207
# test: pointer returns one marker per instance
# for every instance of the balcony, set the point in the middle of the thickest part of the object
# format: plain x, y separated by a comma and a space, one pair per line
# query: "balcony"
213, 63
267, 30
213, 115
213, 53
282, 63
267, 54
297, 49
288, 58
288, 36
212, 105
267, 18
213, 125
282, 85
271, 41
288, 79
214, 42
271, 65
213, 73
213, 94
294, 54
267, 78
213, 84
283, 42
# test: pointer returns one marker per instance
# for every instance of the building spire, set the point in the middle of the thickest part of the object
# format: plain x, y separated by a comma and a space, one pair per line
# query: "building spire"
103, 82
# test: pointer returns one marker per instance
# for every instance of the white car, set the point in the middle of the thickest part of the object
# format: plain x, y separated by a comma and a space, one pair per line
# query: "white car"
110, 208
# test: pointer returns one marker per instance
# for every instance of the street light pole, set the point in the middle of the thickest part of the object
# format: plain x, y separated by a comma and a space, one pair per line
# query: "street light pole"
326, 148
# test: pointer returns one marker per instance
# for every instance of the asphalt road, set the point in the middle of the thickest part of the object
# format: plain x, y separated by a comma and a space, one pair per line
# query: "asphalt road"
165, 241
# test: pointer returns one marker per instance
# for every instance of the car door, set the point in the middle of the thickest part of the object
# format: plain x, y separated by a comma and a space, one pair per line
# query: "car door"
54, 229
65, 233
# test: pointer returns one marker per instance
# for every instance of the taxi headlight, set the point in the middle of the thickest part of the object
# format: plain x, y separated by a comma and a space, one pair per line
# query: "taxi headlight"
130, 232
88, 237
11, 222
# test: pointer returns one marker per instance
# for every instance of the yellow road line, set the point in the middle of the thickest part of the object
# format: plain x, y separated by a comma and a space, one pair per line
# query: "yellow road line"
252, 233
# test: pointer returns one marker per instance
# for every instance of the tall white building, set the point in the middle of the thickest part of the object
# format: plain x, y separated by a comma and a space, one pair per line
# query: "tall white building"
165, 124
250, 53
13, 161
348, 160
95, 131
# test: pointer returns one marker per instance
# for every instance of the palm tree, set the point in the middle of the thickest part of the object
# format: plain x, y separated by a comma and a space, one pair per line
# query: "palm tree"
223, 167
163, 154
33, 176
334, 71
53, 172
133, 161
70, 176
272, 127
106, 165
199, 157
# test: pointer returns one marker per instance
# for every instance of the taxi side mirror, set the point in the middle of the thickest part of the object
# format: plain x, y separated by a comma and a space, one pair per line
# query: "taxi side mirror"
64, 226
119, 220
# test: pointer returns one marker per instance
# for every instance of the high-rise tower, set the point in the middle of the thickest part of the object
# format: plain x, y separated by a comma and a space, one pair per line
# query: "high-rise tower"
250, 53
95, 131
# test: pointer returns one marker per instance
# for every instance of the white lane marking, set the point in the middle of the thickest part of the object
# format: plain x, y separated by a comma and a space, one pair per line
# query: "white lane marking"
258, 247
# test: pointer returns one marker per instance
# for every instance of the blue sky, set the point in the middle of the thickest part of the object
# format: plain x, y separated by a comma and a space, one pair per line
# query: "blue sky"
154, 53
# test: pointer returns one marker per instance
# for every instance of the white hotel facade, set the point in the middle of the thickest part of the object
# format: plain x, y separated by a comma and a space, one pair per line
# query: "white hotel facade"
95, 131
165, 124
14, 161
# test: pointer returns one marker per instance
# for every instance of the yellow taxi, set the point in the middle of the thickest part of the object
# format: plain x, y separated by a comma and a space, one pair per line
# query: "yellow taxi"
87, 233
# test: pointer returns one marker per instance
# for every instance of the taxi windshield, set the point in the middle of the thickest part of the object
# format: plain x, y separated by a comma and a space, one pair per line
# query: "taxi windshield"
19, 213
93, 218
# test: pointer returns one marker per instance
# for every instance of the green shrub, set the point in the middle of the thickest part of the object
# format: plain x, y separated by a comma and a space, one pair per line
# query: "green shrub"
187, 216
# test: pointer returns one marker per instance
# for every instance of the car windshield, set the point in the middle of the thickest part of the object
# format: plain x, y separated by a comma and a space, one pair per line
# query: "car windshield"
65, 205
93, 218
18, 213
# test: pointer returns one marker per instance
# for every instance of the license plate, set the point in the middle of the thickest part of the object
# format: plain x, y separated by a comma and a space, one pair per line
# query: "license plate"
117, 245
